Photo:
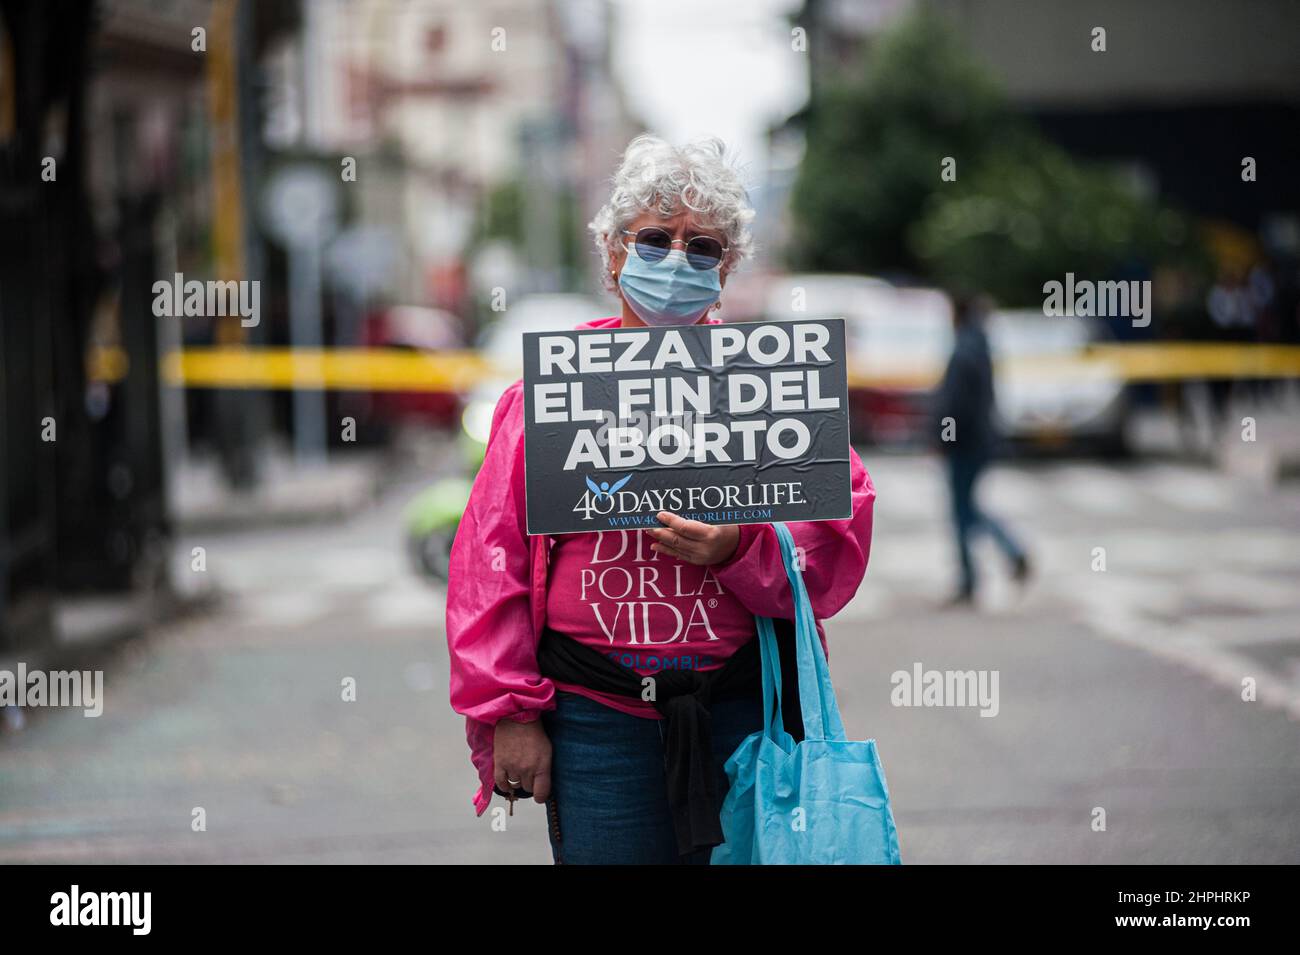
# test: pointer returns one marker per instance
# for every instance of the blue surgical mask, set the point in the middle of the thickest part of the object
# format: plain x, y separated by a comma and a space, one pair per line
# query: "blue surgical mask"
670, 291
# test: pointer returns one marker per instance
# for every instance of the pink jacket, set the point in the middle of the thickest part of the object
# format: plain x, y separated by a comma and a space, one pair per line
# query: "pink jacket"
496, 588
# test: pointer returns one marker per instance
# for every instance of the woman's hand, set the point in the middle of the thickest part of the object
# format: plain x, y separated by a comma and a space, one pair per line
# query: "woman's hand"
693, 541
522, 752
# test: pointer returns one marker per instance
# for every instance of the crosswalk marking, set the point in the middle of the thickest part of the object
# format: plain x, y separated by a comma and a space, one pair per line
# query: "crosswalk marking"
1094, 489
1189, 490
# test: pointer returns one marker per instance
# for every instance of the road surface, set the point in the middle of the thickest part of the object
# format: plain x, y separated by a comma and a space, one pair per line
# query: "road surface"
1119, 691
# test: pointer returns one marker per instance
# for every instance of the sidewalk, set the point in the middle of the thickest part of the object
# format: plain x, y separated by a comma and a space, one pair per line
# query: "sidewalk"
84, 628
285, 494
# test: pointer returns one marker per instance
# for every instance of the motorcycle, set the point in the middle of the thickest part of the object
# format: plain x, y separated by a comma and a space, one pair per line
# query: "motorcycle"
433, 516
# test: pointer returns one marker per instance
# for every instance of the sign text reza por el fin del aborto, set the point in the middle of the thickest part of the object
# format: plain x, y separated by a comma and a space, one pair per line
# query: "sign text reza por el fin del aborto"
726, 424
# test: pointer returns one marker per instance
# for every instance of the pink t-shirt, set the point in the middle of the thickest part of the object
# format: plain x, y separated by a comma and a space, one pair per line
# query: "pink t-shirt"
644, 610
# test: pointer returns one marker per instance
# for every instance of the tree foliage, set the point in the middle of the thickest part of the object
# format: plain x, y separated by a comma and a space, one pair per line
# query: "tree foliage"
870, 198
875, 142
1028, 213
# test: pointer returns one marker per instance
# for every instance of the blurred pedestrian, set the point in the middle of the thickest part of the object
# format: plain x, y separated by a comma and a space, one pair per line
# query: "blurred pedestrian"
967, 431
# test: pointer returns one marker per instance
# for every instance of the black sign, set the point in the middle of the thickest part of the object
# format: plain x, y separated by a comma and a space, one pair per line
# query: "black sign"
726, 424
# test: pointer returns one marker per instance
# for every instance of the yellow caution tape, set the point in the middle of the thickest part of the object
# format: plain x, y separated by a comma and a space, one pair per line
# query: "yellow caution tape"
394, 369
364, 369
1174, 361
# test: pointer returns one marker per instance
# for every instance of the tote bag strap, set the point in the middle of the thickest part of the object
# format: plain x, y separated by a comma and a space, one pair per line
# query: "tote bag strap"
773, 725
821, 713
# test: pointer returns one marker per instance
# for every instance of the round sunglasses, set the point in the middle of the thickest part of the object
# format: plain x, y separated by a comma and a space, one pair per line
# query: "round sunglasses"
653, 244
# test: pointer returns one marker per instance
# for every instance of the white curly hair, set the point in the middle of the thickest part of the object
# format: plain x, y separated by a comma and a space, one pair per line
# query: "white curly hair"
656, 176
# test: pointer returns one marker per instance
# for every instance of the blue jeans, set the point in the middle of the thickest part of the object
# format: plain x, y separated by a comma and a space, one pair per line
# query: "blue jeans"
609, 794
964, 470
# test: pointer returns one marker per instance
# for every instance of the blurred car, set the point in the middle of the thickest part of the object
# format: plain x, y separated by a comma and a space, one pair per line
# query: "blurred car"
745, 298
502, 344
419, 329
1046, 401
816, 295
897, 339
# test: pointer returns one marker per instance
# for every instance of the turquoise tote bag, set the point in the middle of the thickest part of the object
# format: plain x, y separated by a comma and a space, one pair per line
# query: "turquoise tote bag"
822, 800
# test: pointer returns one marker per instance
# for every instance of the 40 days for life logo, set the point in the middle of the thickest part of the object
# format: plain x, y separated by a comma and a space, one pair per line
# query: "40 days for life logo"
713, 503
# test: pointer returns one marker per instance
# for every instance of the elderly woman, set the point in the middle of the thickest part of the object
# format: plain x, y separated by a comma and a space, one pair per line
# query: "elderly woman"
546, 665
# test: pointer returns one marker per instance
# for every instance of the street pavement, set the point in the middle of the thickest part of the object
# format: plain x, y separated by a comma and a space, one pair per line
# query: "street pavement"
1119, 691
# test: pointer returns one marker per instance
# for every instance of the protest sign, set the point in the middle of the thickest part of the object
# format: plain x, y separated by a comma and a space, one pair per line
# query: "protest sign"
725, 424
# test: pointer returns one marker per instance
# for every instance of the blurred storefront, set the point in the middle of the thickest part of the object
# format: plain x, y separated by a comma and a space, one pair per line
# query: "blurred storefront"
120, 163
459, 149
442, 105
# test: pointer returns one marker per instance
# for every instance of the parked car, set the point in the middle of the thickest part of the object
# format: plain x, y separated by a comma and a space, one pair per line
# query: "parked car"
897, 339
1045, 398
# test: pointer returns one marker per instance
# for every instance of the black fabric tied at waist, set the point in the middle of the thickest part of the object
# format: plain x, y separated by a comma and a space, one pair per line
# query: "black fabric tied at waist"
682, 697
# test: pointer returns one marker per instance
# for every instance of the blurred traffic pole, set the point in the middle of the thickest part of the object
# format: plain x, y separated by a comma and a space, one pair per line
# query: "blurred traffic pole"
300, 212
240, 415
